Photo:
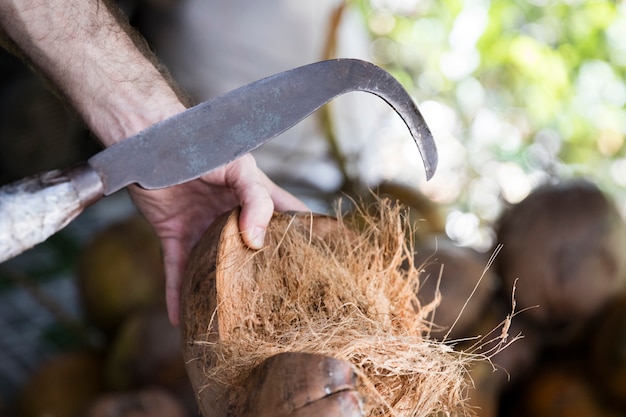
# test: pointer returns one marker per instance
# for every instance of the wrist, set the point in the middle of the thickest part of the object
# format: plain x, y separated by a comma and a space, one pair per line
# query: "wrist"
124, 115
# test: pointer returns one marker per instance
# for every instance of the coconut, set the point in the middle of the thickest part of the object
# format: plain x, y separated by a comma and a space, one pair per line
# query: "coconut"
564, 245
321, 311
121, 271
483, 395
461, 277
148, 402
609, 350
145, 351
62, 386
563, 390
423, 211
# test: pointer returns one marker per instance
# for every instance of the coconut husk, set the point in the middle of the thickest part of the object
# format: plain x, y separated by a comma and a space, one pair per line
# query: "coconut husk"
317, 288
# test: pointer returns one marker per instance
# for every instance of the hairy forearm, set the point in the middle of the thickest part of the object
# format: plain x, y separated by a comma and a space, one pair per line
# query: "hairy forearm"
89, 54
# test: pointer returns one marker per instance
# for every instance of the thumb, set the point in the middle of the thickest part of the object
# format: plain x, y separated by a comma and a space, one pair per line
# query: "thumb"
174, 260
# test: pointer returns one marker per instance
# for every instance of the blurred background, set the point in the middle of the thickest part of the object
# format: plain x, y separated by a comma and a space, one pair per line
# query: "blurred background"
526, 101
518, 93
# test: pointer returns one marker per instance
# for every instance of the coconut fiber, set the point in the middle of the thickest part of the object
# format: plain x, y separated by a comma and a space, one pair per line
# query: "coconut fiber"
343, 287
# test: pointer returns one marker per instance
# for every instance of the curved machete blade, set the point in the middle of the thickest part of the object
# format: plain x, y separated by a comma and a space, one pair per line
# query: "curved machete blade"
220, 130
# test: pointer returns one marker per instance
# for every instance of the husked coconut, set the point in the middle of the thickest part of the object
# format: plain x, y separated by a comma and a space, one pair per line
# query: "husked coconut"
564, 245
145, 351
563, 390
324, 320
424, 212
121, 271
460, 277
609, 350
62, 386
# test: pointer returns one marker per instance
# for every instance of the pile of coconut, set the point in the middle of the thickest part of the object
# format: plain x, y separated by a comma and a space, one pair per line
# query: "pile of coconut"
358, 314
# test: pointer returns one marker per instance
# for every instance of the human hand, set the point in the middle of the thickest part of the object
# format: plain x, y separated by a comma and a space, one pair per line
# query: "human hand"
115, 84
181, 214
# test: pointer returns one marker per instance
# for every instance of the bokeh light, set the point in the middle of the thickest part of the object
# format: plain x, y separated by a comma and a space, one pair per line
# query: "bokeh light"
517, 94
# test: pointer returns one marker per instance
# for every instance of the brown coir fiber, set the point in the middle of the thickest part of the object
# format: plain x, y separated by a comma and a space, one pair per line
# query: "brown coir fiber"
328, 287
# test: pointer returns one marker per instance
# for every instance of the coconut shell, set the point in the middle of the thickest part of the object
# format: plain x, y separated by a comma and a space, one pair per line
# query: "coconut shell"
564, 245
289, 384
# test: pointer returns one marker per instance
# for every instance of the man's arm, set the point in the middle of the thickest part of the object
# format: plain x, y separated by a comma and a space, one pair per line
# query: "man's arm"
81, 48
87, 50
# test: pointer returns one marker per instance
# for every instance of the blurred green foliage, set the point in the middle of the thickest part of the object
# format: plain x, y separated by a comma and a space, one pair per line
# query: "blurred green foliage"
531, 91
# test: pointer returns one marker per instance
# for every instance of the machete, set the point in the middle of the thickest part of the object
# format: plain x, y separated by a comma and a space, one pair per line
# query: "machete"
194, 142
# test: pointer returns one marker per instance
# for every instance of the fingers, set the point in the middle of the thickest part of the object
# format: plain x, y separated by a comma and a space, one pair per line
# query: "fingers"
258, 197
174, 260
256, 203
181, 217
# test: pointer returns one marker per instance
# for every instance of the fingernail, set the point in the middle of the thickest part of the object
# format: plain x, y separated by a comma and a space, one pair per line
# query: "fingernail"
257, 237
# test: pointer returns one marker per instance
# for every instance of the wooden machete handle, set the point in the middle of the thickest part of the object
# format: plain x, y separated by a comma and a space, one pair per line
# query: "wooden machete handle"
33, 209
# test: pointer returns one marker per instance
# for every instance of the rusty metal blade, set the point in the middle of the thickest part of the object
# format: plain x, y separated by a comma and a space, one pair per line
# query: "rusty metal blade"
220, 130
